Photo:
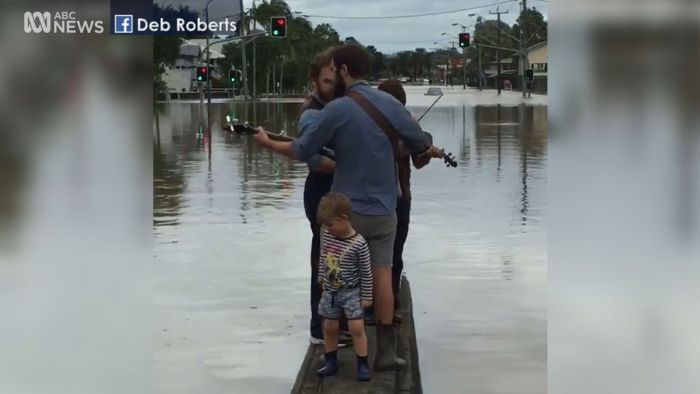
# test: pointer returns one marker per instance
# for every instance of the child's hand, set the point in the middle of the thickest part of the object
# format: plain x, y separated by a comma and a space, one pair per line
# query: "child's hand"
366, 304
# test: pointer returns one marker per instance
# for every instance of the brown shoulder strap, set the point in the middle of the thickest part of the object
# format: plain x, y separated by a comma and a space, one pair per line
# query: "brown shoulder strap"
379, 119
402, 167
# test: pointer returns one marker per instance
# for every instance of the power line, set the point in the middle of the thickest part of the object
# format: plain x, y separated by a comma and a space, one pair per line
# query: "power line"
411, 16
410, 42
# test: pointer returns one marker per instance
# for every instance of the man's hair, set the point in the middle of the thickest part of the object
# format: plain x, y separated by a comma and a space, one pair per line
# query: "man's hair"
333, 205
394, 88
321, 60
355, 58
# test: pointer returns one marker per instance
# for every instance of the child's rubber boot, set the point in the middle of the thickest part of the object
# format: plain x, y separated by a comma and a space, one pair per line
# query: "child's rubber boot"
330, 365
363, 369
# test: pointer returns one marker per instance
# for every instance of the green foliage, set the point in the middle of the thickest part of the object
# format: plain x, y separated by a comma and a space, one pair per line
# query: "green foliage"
535, 27
165, 51
293, 54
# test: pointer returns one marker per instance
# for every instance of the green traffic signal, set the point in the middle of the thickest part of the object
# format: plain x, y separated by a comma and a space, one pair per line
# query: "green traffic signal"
278, 26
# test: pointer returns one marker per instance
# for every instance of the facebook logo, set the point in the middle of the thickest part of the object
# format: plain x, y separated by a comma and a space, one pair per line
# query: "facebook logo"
123, 24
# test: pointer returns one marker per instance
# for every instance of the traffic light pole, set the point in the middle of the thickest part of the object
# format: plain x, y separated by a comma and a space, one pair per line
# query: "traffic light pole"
523, 55
245, 61
452, 81
464, 65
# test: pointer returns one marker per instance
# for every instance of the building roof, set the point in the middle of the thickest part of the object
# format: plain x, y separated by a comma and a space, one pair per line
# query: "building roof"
214, 49
190, 50
537, 46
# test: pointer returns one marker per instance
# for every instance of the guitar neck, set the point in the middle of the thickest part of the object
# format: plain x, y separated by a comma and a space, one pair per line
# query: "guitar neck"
273, 136
282, 138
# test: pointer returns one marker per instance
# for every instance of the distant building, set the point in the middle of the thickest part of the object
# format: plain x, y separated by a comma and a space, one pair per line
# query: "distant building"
181, 77
537, 61
511, 69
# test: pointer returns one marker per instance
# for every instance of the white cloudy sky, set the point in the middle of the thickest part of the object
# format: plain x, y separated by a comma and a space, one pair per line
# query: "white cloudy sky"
391, 35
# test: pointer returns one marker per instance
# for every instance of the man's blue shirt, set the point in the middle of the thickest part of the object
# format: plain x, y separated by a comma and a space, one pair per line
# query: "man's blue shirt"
364, 170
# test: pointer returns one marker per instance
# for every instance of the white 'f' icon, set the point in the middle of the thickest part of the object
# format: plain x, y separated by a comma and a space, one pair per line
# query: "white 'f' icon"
123, 24
37, 22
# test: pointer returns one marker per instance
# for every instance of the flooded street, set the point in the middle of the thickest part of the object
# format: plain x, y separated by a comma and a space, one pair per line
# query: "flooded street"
231, 248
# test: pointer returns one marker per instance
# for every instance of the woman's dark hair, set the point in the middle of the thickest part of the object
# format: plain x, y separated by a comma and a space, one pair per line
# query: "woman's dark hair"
355, 58
320, 60
394, 88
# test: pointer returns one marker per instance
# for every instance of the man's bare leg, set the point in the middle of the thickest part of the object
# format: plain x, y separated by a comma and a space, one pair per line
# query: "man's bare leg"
383, 295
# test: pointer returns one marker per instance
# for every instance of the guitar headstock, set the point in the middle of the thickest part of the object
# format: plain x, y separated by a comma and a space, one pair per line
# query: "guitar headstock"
242, 128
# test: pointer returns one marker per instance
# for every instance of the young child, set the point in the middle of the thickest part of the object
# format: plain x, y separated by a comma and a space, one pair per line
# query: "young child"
345, 277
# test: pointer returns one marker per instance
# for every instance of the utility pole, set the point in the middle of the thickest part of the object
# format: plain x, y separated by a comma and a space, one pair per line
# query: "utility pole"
255, 65
481, 82
447, 67
244, 66
281, 76
523, 47
206, 12
498, 53
452, 81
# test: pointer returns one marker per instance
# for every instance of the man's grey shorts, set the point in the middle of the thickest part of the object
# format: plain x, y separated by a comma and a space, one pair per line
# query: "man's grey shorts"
335, 303
379, 231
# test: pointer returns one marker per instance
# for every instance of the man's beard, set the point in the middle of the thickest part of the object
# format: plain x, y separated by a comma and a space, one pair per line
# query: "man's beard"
339, 85
326, 96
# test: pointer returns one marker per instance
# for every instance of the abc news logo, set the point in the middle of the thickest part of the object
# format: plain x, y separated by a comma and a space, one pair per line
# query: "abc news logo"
60, 22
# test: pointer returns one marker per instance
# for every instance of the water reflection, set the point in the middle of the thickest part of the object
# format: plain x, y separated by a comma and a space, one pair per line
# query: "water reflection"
231, 245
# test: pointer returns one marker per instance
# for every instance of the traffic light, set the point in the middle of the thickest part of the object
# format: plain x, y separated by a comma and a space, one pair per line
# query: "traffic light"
529, 75
278, 26
233, 77
463, 40
202, 74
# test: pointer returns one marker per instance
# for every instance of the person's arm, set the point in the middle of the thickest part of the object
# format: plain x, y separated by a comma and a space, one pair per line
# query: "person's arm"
420, 161
363, 259
317, 163
410, 133
321, 261
316, 131
321, 164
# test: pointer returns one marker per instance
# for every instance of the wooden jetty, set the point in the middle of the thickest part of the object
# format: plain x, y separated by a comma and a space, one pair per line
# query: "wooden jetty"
405, 381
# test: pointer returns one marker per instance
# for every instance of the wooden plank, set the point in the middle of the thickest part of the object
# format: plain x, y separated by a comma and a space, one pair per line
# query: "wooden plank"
406, 381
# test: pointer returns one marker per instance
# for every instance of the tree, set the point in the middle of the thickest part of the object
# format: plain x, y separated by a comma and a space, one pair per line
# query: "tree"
167, 48
535, 27
165, 51
289, 57
377, 64
325, 32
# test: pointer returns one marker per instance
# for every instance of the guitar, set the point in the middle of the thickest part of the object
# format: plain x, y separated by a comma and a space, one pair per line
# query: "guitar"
246, 129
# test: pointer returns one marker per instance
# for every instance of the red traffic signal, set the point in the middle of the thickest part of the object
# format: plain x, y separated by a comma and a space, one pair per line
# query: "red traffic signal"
202, 74
464, 40
278, 26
